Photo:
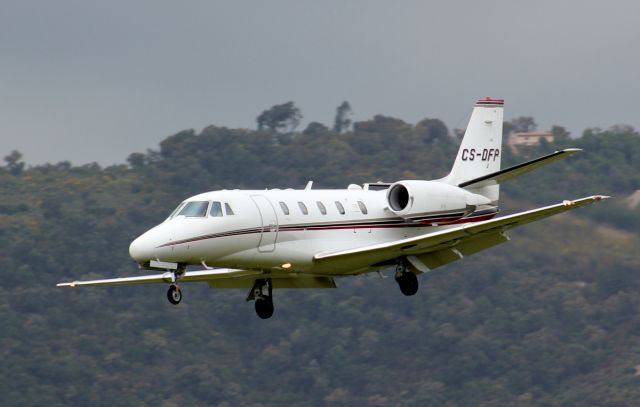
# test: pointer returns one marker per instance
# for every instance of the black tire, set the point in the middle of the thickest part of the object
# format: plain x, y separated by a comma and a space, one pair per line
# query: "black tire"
264, 308
408, 283
174, 295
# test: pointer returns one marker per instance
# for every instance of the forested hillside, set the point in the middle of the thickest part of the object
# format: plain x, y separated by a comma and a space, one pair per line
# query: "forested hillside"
548, 319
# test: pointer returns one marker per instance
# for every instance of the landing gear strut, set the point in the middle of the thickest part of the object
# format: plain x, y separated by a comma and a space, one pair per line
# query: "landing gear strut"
262, 294
406, 279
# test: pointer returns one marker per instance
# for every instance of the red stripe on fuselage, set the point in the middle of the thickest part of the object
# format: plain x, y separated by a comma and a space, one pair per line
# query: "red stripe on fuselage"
471, 219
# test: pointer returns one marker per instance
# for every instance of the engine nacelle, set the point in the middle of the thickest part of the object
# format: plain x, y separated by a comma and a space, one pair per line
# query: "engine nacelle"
424, 199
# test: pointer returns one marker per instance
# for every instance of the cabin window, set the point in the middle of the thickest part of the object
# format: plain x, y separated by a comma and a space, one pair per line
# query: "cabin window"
216, 209
322, 208
196, 209
363, 208
228, 209
303, 208
284, 207
340, 208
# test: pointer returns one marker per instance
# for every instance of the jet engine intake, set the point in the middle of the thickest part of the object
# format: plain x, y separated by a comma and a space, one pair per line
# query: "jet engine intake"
398, 197
426, 200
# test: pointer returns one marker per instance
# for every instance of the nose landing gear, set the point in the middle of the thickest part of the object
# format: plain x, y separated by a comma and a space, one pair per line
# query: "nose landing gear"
174, 294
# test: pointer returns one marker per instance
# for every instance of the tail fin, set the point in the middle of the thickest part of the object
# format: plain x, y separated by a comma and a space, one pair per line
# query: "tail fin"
481, 149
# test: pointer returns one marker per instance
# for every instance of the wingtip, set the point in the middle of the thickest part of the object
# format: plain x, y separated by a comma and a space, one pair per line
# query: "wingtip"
582, 201
572, 150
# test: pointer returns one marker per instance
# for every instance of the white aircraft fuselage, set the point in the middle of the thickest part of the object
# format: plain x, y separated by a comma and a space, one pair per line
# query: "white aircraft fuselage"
262, 233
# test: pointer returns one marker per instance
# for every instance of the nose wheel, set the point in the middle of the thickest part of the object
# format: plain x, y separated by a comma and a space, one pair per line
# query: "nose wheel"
174, 295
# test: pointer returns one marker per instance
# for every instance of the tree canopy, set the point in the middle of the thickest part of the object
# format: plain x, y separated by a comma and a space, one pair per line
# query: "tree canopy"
548, 319
342, 120
285, 117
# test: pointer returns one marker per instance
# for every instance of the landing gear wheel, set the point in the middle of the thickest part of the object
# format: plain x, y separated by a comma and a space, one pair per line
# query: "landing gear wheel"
264, 307
174, 295
408, 283
261, 293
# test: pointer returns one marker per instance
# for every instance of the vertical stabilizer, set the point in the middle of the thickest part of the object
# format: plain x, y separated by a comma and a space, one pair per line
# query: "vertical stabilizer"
481, 150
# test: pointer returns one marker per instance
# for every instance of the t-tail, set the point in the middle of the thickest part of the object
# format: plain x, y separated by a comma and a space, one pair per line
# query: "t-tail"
481, 150
477, 166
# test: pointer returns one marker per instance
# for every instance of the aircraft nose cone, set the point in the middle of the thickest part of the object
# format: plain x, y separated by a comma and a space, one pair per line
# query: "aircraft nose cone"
141, 250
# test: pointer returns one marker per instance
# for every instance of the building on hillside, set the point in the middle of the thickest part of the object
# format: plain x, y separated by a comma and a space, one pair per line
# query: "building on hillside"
530, 138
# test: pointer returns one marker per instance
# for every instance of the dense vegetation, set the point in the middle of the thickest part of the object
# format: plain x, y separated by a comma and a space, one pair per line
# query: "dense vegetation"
548, 319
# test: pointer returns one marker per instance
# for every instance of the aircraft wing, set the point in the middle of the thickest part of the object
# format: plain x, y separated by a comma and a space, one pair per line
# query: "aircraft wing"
167, 277
217, 278
432, 250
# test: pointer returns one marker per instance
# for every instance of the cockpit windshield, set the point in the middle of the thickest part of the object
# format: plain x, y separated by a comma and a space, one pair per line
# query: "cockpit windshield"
196, 209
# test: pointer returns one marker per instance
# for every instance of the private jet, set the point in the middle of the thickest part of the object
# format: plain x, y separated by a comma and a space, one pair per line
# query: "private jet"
262, 240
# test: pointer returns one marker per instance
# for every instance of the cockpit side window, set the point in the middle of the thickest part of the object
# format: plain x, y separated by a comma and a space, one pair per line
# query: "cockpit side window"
216, 209
197, 209
228, 209
175, 211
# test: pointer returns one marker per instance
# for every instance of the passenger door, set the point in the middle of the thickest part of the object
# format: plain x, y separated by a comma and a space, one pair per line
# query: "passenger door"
269, 219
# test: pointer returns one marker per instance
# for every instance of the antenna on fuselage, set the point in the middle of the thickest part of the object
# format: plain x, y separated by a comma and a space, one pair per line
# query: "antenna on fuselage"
309, 185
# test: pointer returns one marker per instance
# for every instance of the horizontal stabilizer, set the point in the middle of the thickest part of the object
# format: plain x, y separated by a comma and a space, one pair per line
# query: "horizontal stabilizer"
498, 177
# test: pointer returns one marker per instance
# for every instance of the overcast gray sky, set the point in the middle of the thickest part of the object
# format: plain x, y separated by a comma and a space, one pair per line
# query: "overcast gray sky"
94, 81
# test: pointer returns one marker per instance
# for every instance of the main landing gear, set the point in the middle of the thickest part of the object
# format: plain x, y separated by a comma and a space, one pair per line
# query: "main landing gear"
406, 279
261, 293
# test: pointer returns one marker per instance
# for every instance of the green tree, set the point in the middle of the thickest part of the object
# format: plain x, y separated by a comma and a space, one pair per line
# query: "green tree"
523, 124
560, 133
433, 131
285, 117
136, 160
622, 129
315, 129
14, 164
342, 120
